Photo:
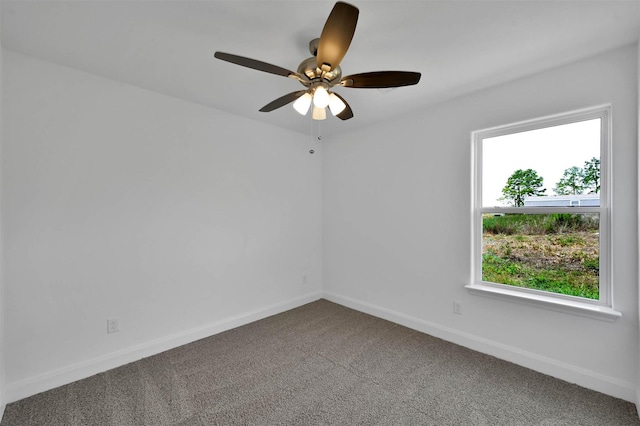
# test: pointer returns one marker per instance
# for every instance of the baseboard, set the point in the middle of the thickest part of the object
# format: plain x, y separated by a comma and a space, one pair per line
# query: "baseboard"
53, 379
567, 372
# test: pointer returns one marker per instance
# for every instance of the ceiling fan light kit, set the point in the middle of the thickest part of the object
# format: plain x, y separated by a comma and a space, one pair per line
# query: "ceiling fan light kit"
319, 113
321, 72
336, 105
303, 103
320, 96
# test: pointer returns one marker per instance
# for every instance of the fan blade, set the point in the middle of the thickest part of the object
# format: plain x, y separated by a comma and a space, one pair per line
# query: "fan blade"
336, 35
282, 101
257, 65
381, 79
346, 113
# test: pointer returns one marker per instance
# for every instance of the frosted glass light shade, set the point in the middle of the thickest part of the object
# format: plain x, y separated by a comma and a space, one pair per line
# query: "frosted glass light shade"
319, 113
321, 97
302, 103
335, 104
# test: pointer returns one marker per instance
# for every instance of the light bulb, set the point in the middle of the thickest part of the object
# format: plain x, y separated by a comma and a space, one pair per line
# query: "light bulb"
321, 97
319, 113
336, 105
302, 103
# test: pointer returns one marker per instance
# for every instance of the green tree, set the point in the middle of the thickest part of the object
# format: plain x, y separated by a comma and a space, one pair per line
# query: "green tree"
591, 175
571, 182
576, 180
520, 184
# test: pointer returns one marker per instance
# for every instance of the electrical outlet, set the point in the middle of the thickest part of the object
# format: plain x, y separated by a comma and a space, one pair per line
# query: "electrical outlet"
457, 307
113, 325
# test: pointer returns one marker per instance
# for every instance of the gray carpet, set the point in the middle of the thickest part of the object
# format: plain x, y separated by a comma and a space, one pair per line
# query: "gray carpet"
321, 364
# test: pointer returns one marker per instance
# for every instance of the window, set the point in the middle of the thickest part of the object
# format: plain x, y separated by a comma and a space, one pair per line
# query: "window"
541, 212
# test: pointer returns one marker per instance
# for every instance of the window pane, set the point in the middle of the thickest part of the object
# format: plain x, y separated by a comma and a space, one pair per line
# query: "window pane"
558, 252
552, 166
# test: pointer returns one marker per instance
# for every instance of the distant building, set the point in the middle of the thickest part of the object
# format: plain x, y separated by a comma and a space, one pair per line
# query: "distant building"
582, 200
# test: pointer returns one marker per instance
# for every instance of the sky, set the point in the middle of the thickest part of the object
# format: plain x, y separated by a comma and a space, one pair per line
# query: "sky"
549, 151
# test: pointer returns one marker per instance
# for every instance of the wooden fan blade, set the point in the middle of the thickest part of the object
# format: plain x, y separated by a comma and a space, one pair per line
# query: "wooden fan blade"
346, 113
336, 35
381, 79
256, 65
282, 101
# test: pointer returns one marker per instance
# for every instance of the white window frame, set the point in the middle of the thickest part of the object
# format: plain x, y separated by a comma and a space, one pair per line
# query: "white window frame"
599, 309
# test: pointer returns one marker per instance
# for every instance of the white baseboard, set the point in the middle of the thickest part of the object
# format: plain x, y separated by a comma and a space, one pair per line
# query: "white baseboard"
50, 380
567, 372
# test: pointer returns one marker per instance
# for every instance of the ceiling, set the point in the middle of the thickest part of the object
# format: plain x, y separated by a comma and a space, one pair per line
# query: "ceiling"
458, 46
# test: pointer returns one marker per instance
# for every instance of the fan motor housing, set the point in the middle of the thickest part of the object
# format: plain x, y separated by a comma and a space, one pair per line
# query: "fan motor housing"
309, 67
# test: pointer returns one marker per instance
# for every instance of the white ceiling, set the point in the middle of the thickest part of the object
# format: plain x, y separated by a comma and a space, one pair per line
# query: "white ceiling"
458, 46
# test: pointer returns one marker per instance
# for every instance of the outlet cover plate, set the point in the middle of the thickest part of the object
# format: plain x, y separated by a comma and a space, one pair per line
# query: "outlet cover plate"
113, 325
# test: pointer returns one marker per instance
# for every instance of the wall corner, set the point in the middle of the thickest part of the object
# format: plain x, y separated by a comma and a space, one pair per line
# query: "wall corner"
638, 213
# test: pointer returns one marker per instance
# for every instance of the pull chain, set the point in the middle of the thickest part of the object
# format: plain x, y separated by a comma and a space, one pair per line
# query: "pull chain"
316, 133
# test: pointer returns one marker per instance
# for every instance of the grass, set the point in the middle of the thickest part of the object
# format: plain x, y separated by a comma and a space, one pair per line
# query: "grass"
556, 223
558, 253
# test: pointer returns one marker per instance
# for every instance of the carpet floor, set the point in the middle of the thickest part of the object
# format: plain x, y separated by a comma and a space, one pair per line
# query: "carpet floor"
321, 364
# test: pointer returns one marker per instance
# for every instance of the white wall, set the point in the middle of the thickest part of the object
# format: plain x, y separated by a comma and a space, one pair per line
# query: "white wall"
397, 203
638, 354
177, 219
2, 297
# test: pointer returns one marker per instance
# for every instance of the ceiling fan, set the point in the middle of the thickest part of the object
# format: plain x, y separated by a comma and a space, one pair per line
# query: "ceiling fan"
321, 72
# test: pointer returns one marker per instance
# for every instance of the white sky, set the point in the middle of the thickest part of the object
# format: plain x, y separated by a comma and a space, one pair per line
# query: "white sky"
548, 151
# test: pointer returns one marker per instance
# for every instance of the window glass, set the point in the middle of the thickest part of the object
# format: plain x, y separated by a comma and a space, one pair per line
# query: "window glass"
557, 252
540, 215
558, 155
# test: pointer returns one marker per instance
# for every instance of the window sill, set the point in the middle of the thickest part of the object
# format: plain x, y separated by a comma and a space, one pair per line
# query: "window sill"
599, 312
